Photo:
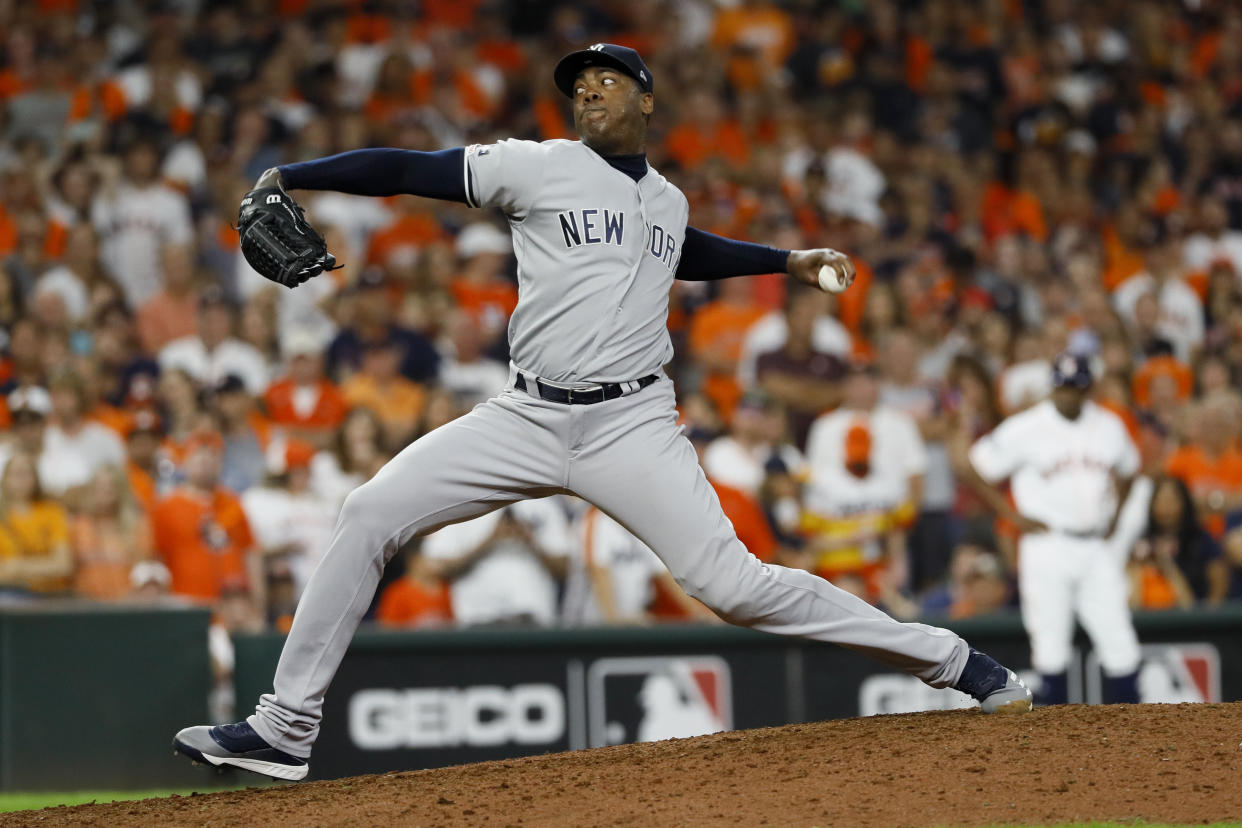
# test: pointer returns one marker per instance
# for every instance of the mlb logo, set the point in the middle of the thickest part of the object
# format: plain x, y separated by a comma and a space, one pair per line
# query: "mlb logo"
1168, 674
657, 697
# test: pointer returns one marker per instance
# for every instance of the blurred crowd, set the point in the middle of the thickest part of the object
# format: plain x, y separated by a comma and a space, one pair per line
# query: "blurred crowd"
1013, 178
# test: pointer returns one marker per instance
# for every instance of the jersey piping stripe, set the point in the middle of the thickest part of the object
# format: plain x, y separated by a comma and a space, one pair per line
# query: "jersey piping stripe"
468, 176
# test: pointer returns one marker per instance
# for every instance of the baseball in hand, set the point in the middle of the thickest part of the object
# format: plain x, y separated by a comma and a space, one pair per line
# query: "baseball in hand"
832, 279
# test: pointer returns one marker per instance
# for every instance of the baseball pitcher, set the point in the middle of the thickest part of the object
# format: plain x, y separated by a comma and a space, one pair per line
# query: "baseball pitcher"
599, 237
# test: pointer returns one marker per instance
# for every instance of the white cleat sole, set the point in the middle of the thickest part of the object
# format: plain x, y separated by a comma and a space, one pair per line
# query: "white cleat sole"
292, 774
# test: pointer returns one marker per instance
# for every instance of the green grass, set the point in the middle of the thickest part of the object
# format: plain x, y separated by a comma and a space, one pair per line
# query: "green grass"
33, 801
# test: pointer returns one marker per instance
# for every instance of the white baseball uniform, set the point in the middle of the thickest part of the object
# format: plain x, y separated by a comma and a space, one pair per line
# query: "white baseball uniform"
1062, 473
596, 252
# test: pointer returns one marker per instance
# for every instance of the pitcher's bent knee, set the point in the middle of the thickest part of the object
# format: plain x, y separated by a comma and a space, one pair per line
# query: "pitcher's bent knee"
368, 521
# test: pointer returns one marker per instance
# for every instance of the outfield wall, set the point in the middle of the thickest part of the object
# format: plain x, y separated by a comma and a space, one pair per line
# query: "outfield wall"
90, 696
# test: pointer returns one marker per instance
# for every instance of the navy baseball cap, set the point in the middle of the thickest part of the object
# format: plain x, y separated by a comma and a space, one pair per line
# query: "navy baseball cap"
1072, 369
621, 58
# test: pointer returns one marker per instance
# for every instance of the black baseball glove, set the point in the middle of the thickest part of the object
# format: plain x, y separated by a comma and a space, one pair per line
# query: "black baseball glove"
278, 241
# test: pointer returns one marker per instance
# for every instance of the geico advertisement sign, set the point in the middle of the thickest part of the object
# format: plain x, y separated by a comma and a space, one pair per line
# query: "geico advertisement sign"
440, 717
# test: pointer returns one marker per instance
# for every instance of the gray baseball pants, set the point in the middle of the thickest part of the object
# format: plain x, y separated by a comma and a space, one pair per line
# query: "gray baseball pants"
629, 458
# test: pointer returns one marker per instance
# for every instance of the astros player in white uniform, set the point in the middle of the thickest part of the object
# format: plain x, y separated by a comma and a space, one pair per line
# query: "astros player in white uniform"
599, 237
1070, 463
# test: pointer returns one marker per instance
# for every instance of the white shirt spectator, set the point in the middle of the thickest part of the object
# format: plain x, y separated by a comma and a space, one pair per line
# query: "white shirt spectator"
70, 460
771, 331
855, 185
509, 581
1181, 311
232, 356
134, 225
897, 449
66, 284
330, 481
282, 518
1200, 250
630, 564
473, 382
729, 462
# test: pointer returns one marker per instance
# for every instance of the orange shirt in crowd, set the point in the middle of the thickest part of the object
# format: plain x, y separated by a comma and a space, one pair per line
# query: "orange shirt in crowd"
328, 412
719, 328
164, 317
408, 603
398, 403
692, 144
8, 232
486, 302
1006, 211
1203, 474
1120, 262
1155, 592
203, 540
756, 38
141, 486
748, 520
36, 532
105, 553
410, 230
1161, 366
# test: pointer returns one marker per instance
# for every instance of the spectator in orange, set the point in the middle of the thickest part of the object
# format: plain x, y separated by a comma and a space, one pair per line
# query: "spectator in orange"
742, 509
1161, 365
481, 287
1211, 465
109, 537
380, 387
200, 530
717, 333
305, 403
704, 133
1175, 562
173, 312
34, 532
417, 599
402, 239
855, 521
757, 37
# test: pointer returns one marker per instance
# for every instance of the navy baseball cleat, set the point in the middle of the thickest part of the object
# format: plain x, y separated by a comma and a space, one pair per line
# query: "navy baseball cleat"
238, 746
996, 688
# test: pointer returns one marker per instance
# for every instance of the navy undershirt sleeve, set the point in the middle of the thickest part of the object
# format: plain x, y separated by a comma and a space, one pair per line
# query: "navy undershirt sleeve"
707, 257
383, 172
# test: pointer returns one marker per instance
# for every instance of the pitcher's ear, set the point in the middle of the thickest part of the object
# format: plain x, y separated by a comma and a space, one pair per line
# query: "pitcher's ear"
648, 103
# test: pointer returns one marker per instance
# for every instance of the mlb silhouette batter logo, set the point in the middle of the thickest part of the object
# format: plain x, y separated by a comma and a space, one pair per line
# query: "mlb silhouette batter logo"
653, 698
1169, 674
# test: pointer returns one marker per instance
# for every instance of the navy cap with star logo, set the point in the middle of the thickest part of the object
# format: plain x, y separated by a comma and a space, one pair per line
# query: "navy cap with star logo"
621, 58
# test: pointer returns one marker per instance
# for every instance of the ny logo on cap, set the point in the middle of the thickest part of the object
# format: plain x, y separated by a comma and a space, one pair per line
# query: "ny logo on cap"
598, 47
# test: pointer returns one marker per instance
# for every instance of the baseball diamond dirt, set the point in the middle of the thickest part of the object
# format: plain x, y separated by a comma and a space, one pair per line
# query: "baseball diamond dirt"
1155, 763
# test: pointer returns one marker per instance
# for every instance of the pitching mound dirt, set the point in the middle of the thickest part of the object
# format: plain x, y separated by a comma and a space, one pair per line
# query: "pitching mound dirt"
1160, 763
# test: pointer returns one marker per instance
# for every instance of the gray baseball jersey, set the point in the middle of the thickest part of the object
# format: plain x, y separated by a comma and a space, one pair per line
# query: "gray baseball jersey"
594, 265
597, 253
